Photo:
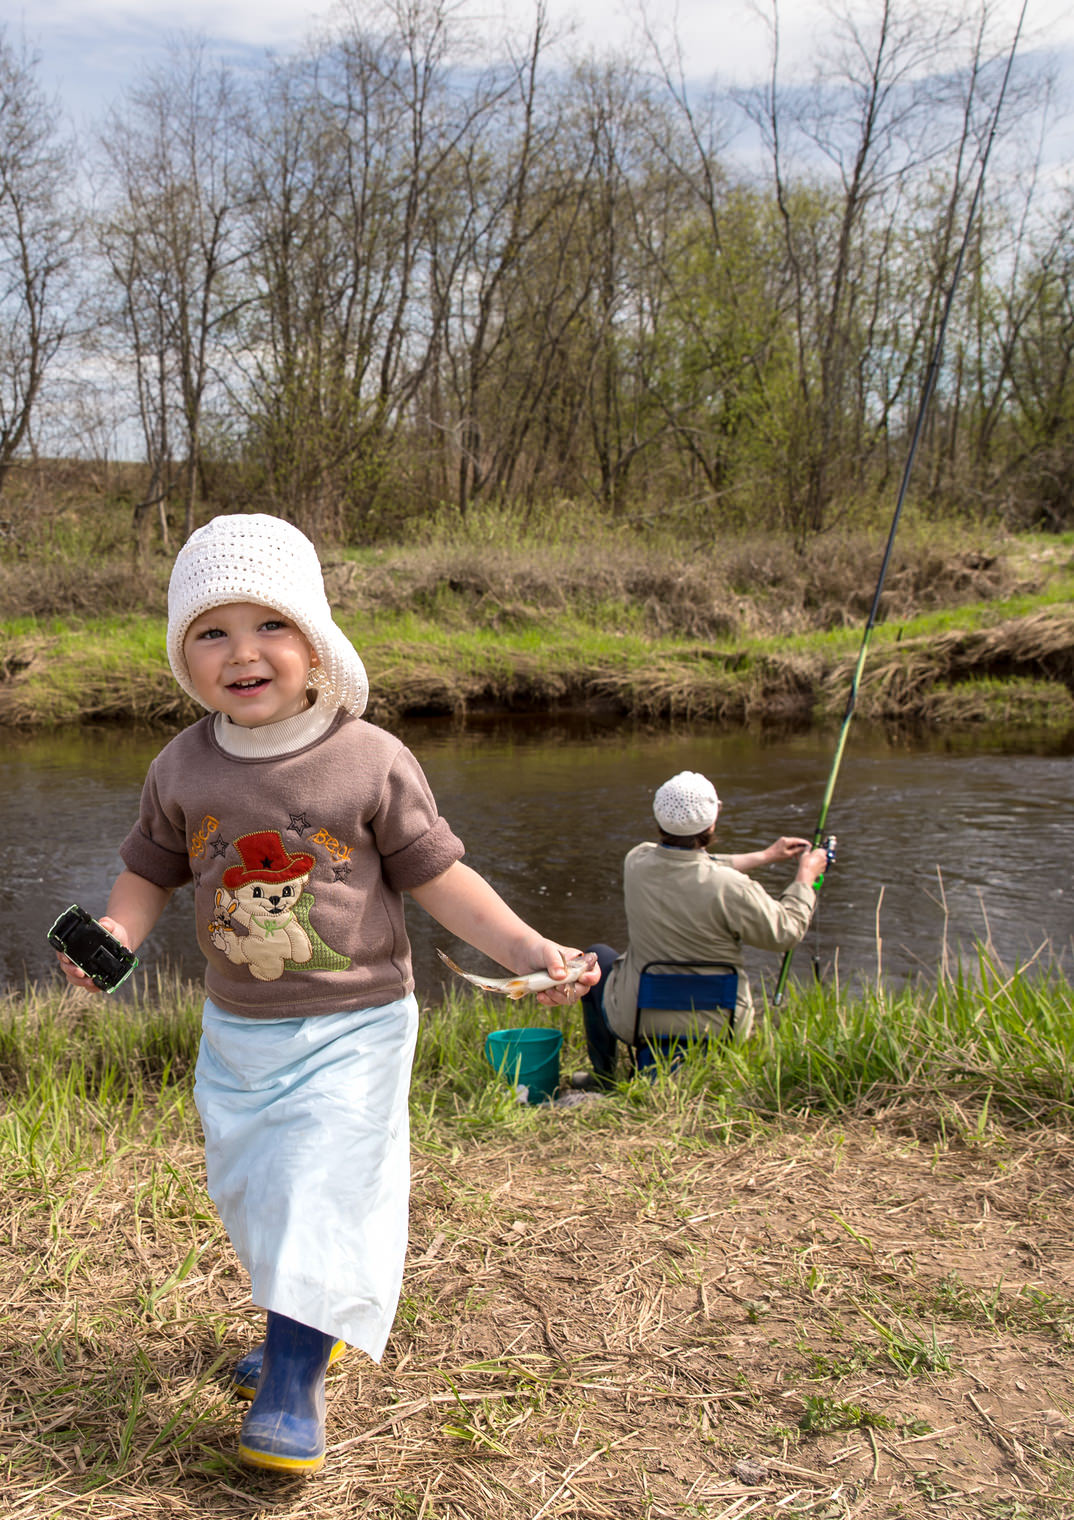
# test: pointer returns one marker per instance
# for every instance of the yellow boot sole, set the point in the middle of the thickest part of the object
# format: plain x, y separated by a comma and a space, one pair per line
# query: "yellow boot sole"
272, 1463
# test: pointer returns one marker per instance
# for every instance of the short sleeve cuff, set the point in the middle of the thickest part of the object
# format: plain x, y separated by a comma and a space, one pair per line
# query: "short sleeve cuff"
424, 859
164, 868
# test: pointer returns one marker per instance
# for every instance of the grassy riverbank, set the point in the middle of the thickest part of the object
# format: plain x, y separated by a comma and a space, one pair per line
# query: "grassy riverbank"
829, 1274
974, 629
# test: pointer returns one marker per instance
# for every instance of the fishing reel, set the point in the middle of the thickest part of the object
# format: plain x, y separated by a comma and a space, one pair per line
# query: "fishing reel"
829, 850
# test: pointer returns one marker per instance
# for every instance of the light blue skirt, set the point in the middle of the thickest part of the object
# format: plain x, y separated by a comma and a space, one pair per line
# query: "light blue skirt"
307, 1152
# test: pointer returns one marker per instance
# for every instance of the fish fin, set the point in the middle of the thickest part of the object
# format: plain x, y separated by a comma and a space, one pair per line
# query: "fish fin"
483, 982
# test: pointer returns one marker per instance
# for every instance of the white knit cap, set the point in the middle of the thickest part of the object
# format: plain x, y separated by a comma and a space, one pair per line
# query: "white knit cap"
256, 558
687, 804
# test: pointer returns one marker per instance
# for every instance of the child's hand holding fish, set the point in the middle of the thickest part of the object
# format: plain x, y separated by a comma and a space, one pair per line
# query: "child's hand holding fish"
467, 906
545, 985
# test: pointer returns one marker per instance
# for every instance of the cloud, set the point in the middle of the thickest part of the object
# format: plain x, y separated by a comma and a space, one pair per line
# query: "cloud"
92, 49
266, 23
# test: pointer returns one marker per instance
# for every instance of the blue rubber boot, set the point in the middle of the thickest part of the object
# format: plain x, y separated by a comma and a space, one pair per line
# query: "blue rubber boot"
284, 1427
247, 1369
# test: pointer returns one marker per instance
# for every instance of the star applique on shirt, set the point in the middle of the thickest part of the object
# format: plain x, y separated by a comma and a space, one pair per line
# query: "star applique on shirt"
220, 847
299, 824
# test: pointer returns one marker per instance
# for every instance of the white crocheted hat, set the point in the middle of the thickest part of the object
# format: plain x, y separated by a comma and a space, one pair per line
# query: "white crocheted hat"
256, 558
687, 804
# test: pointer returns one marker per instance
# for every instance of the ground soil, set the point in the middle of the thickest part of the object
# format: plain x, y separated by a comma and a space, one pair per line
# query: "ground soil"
603, 1320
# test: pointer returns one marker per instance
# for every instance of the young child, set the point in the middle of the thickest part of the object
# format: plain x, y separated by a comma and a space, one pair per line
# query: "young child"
300, 826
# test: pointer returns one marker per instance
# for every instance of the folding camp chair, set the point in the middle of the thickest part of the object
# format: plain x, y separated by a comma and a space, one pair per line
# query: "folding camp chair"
702, 986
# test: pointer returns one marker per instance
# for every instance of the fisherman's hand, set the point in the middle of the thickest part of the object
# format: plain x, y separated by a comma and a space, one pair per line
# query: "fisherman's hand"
811, 865
79, 978
785, 848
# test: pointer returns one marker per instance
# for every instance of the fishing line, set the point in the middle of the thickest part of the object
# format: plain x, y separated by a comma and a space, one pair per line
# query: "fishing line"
926, 396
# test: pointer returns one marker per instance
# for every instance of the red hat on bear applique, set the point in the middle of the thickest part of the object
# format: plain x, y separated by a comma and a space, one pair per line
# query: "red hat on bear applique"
264, 858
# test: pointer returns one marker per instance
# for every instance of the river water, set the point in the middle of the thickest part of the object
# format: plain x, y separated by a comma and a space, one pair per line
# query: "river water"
940, 847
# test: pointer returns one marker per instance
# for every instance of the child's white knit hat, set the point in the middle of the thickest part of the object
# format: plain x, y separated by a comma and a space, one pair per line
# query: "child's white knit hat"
256, 558
687, 804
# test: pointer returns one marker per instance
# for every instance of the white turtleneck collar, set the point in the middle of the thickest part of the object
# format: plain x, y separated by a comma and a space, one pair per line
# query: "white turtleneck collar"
274, 739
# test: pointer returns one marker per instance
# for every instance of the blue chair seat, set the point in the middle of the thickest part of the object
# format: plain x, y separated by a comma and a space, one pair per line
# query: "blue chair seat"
675, 986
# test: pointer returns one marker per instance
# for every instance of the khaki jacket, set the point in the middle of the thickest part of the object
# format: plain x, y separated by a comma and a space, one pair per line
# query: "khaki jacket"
687, 905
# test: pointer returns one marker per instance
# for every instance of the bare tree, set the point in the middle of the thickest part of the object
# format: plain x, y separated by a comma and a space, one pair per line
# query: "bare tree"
1034, 449
167, 238
505, 278
480, 243
889, 124
1017, 263
715, 288
631, 210
350, 166
418, 277
35, 246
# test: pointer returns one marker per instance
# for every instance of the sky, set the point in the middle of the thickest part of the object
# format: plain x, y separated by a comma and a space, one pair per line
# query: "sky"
90, 50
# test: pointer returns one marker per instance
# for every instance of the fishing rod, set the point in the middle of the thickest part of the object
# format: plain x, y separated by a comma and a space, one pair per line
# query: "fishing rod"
926, 396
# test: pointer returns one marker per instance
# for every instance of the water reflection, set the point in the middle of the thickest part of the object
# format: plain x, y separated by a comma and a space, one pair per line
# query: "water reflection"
938, 846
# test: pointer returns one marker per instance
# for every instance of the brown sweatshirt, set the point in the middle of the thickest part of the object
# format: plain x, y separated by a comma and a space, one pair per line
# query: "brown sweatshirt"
298, 862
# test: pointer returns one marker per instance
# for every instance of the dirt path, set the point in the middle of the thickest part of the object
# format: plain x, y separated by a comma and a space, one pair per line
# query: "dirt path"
605, 1322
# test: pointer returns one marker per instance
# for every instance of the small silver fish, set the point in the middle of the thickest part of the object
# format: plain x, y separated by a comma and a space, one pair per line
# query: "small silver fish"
519, 986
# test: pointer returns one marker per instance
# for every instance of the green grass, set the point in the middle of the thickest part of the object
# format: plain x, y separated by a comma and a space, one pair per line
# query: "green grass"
986, 1042
570, 638
80, 1075
986, 1039
840, 642
983, 1042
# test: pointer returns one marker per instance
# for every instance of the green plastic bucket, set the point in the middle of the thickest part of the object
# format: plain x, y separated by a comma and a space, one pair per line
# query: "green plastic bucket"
527, 1058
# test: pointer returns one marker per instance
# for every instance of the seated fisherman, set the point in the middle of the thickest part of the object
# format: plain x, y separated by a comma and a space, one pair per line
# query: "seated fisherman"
683, 904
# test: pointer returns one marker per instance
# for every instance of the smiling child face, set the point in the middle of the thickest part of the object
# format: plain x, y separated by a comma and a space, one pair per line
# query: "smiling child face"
249, 662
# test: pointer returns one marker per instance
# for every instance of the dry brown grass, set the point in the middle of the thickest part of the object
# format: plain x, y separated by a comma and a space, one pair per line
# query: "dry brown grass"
109, 587
746, 585
920, 678
609, 1317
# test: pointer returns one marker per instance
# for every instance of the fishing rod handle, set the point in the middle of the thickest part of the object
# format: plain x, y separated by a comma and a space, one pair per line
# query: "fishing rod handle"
828, 844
